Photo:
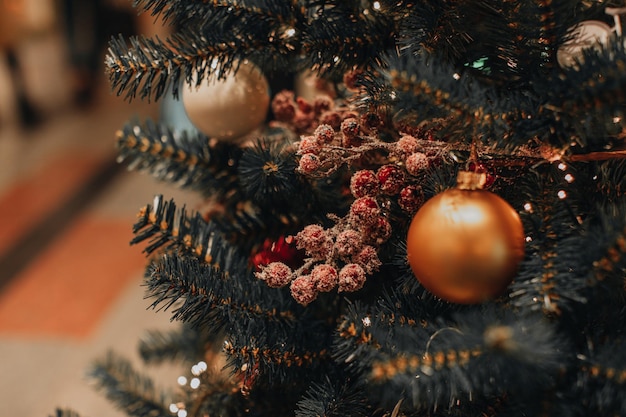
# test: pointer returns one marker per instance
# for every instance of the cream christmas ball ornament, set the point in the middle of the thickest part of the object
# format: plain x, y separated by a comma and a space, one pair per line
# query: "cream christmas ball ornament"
229, 108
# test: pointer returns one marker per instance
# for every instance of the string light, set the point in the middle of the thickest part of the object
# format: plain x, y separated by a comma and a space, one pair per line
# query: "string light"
376, 5
562, 194
195, 383
569, 178
182, 380
528, 207
562, 166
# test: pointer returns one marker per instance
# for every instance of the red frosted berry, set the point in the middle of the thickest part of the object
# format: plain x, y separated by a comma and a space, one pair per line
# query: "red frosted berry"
324, 277
416, 163
324, 134
276, 274
303, 290
364, 183
309, 144
411, 198
284, 106
331, 118
351, 278
368, 259
309, 163
348, 242
303, 105
350, 128
391, 179
364, 212
380, 231
323, 104
314, 240
406, 145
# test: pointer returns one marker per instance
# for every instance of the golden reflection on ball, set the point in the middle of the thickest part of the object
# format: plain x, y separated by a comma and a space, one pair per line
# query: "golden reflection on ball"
464, 246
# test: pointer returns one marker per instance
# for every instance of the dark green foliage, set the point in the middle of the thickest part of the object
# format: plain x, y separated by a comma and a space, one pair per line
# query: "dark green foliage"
128, 389
474, 81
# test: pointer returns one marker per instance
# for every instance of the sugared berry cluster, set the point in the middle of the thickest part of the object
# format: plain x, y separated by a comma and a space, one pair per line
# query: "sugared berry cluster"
343, 255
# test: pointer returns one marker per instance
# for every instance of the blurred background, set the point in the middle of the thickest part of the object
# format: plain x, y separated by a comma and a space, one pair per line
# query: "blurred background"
70, 284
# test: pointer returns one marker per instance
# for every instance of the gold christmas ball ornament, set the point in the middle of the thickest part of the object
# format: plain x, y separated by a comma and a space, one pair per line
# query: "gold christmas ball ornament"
464, 244
229, 108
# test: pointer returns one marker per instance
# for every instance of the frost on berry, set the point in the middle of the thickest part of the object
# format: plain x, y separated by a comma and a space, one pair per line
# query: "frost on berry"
350, 127
324, 277
411, 198
323, 104
364, 183
275, 274
364, 212
331, 118
351, 278
380, 231
303, 290
324, 134
368, 259
284, 106
309, 163
391, 179
314, 240
406, 146
416, 163
309, 144
348, 242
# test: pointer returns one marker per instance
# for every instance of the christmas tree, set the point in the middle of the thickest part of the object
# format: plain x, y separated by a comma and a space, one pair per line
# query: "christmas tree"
434, 225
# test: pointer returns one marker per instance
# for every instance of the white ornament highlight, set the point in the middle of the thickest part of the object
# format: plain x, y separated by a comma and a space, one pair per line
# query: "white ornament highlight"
229, 109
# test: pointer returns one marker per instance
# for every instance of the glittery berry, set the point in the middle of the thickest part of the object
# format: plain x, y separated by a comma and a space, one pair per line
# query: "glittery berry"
304, 106
406, 146
309, 163
351, 278
391, 179
348, 242
324, 134
416, 163
303, 290
284, 106
368, 259
309, 144
380, 231
350, 128
324, 277
364, 183
314, 240
276, 274
323, 104
331, 118
364, 212
411, 198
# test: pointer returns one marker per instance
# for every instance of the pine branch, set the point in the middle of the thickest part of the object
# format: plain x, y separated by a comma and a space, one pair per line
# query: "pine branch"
333, 398
204, 295
602, 381
549, 278
483, 354
131, 391
184, 344
176, 157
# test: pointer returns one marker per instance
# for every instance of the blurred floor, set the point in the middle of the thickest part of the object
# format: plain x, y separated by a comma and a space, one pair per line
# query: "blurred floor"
70, 282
